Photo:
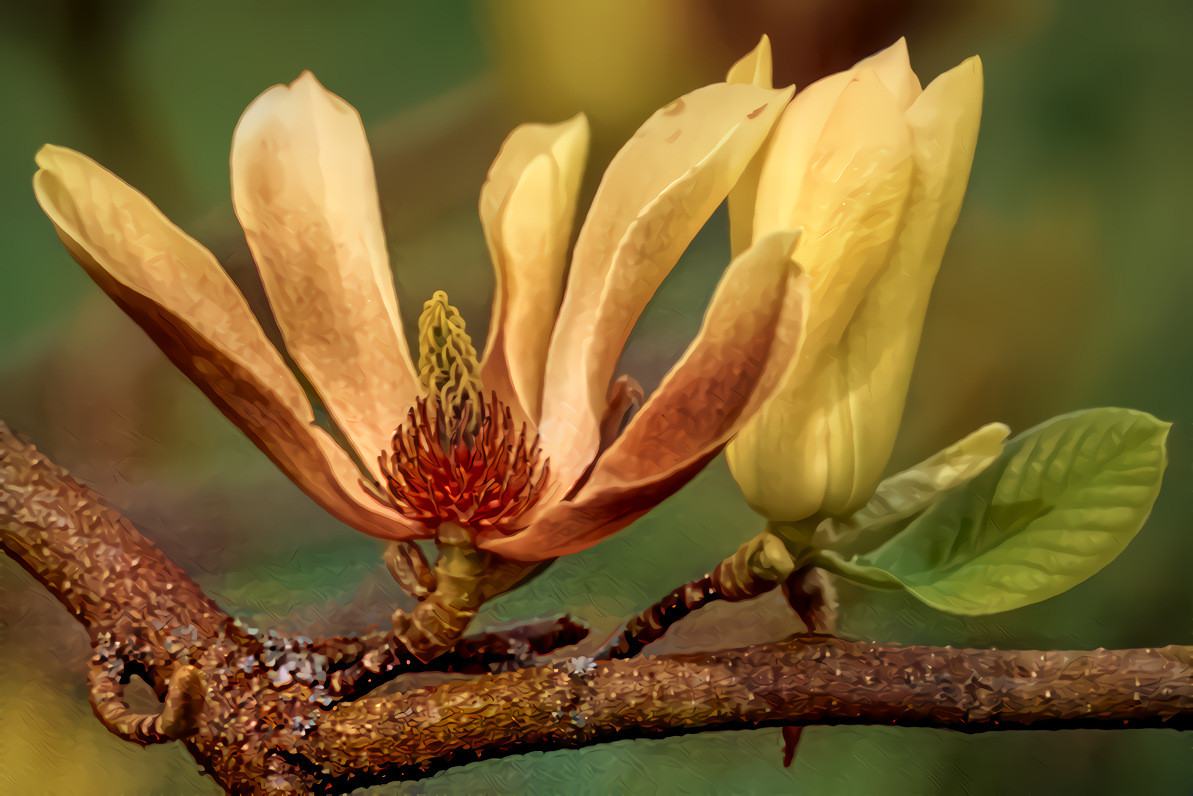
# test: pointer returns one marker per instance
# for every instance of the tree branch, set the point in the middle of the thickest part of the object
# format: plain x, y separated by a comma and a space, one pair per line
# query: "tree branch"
808, 680
262, 714
105, 573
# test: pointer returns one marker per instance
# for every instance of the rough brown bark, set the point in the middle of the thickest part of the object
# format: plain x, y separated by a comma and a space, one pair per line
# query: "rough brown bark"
806, 680
263, 713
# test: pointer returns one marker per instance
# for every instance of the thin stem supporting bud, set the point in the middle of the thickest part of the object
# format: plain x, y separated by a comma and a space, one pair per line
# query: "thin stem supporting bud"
756, 568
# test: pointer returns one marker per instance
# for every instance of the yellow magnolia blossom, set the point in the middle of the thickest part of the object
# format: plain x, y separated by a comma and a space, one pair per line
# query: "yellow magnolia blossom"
873, 169
517, 449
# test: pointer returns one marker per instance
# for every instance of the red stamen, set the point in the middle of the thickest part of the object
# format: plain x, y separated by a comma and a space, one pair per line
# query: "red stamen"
475, 469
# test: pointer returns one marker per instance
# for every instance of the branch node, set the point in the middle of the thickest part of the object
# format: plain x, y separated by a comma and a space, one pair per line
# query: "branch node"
184, 702
179, 716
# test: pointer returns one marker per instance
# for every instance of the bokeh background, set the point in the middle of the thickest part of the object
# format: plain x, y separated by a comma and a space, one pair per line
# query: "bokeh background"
1067, 285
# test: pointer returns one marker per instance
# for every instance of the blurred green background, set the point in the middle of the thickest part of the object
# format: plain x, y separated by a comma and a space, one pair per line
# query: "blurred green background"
1066, 285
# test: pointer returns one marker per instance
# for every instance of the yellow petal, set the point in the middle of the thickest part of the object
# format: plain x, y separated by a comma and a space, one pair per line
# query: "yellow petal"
790, 151
848, 194
751, 334
657, 193
878, 353
847, 183
177, 292
755, 68
781, 466
527, 208
304, 191
893, 67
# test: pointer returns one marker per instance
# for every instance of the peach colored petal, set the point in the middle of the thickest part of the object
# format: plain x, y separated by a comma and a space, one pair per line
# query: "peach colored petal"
304, 191
750, 336
656, 194
527, 207
755, 68
177, 292
625, 394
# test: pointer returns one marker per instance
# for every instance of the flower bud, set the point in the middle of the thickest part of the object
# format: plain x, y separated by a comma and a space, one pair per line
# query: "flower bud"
873, 169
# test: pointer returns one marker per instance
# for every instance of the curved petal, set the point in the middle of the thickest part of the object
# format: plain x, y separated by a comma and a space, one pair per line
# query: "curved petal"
795, 135
848, 193
656, 194
750, 336
755, 68
803, 128
893, 67
527, 207
878, 353
177, 292
304, 191
847, 182
822, 443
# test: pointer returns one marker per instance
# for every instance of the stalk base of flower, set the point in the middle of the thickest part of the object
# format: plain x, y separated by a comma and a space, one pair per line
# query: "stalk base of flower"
465, 578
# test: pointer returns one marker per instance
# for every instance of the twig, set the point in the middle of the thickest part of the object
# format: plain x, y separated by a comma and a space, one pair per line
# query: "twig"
359, 664
515, 647
733, 580
655, 621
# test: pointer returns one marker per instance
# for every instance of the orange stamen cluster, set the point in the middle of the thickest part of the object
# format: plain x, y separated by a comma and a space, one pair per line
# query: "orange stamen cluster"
472, 467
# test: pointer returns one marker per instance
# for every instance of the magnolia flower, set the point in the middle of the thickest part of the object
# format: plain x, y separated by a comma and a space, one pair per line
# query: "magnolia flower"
519, 448
873, 168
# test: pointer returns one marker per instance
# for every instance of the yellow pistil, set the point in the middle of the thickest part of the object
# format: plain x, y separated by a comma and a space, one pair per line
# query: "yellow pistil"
448, 369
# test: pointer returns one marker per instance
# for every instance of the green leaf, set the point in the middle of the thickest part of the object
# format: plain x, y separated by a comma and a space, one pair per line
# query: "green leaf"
907, 493
1061, 502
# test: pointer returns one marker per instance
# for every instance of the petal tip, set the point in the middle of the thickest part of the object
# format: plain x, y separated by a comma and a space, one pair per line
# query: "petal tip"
48, 155
996, 432
309, 88
754, 67
970, 67
578, 130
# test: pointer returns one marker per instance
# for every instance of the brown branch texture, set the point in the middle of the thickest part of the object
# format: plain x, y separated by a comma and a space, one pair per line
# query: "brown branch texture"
270, 713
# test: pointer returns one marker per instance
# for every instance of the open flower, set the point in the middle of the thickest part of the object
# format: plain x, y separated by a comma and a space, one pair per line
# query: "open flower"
873, 168
519, 449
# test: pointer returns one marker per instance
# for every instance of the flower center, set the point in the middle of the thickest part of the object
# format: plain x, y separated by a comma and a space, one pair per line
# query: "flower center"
460, 457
